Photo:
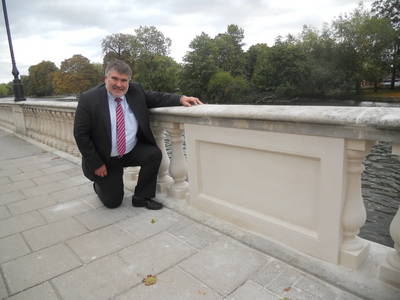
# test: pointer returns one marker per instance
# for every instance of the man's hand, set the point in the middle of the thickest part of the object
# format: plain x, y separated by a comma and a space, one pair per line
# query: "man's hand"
102, 171
188, 101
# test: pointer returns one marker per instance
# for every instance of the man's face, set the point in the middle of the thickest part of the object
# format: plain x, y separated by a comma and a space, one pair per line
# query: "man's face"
117, 84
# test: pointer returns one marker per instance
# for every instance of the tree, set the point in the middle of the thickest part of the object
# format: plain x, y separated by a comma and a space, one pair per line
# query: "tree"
390, 9
117, 46
3, 90
230, 50
163, 77
281, 71
199, 66
251, 58
150, 50
41, 78
76, 75
363, 40
224, 88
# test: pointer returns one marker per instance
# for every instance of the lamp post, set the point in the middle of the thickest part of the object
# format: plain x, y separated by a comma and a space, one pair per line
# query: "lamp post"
17, 85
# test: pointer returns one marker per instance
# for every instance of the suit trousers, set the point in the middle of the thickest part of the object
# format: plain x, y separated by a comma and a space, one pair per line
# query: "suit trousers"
110, 188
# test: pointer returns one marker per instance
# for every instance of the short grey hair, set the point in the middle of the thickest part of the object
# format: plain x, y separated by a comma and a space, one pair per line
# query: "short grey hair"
120, 67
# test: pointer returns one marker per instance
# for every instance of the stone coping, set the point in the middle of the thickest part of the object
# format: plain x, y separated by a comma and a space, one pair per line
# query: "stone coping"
371, 123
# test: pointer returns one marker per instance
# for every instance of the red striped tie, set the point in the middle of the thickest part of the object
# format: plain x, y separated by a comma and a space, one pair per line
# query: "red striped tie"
121, 143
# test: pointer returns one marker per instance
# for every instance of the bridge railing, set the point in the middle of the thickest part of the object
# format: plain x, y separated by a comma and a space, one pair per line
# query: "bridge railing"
289, 173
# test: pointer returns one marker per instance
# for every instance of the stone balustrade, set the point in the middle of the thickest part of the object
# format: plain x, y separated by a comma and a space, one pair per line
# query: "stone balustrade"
291, 174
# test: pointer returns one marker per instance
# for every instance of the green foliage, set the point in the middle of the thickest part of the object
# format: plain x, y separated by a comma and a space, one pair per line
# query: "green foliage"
41, 79
199, 66
163, 77
3, 90
231, 57
150, 49
281, 71
76, 75
224, 88
363, 43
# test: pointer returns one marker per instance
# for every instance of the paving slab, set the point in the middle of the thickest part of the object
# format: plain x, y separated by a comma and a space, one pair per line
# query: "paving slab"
54, 233
150, 223
101, 279
4, 213
3, 289
43, 291
156, 254
250, 290
31, 204
39, 267
64, 210
284, 281
13, 147
11, 197
101, 217
9, 172
42, 189
12, 247
224, 266
71, 193
50, 178
172, 284
15, 186
101, 242
26, 175
20, 223
4, 180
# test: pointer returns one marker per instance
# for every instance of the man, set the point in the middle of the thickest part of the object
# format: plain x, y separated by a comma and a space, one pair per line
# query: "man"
112, 131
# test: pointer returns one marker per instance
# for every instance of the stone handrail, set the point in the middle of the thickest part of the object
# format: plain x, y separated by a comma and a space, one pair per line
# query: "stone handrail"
289, 173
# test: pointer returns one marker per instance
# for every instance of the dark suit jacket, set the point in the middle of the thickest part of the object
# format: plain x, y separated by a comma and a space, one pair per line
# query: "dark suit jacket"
92, 127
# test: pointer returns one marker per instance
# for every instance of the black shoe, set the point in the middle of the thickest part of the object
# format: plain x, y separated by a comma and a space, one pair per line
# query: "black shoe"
145, 202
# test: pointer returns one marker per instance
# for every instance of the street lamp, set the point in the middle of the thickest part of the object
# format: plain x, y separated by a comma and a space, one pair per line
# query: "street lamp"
17, 85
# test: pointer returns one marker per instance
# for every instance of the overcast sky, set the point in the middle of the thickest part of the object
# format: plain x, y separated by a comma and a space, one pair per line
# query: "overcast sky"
56, 30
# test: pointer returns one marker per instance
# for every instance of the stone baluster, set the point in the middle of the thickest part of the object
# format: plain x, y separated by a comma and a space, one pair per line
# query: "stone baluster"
178, 166
163, 179
36, 124
64, 131
390, 267
354, 250
28, 120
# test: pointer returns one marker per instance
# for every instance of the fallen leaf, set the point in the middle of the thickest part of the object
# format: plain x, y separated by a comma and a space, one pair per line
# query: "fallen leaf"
286, 299
150, 280
202, 293
55, 158
288, 289
44, 152
152, 221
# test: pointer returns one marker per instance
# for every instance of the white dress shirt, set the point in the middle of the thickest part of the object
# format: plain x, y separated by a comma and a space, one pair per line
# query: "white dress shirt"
131, 124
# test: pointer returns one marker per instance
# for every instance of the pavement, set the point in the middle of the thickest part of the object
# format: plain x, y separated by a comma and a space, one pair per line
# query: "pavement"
57, 241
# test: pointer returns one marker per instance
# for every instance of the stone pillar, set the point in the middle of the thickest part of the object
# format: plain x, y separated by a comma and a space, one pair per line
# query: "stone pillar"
163, 179
390, 267
354, 250
178, 166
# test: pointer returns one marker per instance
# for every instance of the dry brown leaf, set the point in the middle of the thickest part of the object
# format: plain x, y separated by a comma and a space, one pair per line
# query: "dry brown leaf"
201, 293
288, 289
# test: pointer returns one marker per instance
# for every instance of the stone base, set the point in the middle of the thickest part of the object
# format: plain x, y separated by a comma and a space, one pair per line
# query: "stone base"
353, 259
389, 274
162, 186
177, 194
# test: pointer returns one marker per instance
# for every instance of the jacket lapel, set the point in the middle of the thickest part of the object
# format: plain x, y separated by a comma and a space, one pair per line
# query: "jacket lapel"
105, 110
